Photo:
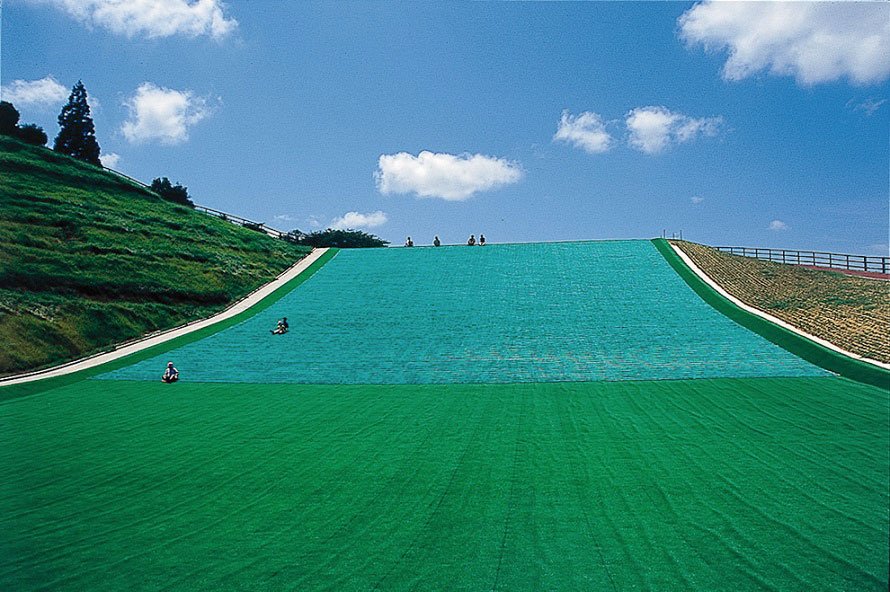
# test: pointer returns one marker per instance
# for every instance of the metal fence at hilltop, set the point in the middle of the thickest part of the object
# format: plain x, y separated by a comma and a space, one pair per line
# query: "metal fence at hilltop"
866, 263
251, 224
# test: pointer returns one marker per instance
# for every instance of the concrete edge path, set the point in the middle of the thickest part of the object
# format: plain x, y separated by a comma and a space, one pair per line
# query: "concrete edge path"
146, 342
698, 271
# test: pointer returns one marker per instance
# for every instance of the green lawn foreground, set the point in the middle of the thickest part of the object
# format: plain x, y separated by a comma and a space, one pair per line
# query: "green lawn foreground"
719, 484
89, 259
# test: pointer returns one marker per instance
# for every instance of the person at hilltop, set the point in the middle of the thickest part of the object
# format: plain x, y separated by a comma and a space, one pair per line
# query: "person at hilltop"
472, 240
171, 374
481, 240
437, 242
409, 242
282, 327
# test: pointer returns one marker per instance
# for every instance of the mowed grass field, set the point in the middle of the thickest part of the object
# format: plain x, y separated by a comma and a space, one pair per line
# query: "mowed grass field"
716, 484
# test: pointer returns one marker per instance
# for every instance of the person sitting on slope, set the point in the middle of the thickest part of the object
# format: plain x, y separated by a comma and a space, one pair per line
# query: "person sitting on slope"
437, 242
472, 240
171, 374
409, 242
282, 327
481, 240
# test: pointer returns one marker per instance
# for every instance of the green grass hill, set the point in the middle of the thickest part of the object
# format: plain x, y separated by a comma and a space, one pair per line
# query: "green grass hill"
88, 259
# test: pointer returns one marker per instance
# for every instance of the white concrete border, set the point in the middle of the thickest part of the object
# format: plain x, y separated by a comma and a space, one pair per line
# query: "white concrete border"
128, 347
697, 270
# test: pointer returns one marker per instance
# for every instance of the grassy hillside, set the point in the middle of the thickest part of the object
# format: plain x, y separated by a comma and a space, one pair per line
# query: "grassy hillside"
851, 312
88, 259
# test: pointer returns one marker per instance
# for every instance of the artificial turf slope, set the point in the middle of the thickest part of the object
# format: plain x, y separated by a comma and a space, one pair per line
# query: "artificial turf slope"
716, 484
542, 312
510, 464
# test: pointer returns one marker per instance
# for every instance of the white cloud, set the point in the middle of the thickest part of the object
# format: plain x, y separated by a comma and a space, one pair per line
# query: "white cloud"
696, 199
586, 131
448, 176
814, 42
357, 220
44, 92
151, 18
778, 225
869, 106
652, 129
110, 160
162, 114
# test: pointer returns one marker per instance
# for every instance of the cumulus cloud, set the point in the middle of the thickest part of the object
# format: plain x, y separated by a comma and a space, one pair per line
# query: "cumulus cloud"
162, 114
110, 160
447, 176
151, 18
34, 93
357, 220
653, 129
696, 199
814, 42
586, 131
778, 225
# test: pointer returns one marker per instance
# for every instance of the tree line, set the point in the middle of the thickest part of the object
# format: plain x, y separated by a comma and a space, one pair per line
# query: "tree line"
344, 239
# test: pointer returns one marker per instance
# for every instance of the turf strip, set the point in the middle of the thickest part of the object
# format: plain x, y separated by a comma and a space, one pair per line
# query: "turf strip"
718, 484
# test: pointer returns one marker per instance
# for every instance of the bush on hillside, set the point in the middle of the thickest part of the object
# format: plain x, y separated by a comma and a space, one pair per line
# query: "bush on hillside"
294, 236
175, 193
31, 133
9, 118
345, 239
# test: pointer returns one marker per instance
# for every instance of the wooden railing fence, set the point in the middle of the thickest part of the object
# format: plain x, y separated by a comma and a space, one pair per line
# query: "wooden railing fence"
868, 263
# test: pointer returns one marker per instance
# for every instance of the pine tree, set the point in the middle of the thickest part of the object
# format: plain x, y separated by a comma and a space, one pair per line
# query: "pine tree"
77, 135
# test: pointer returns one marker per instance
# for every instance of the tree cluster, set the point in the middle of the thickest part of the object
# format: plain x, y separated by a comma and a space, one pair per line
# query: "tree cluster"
30, 133
344, 239
77, 134
175, 193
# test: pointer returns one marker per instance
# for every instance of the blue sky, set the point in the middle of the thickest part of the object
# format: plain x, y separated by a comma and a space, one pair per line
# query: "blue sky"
737, 124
